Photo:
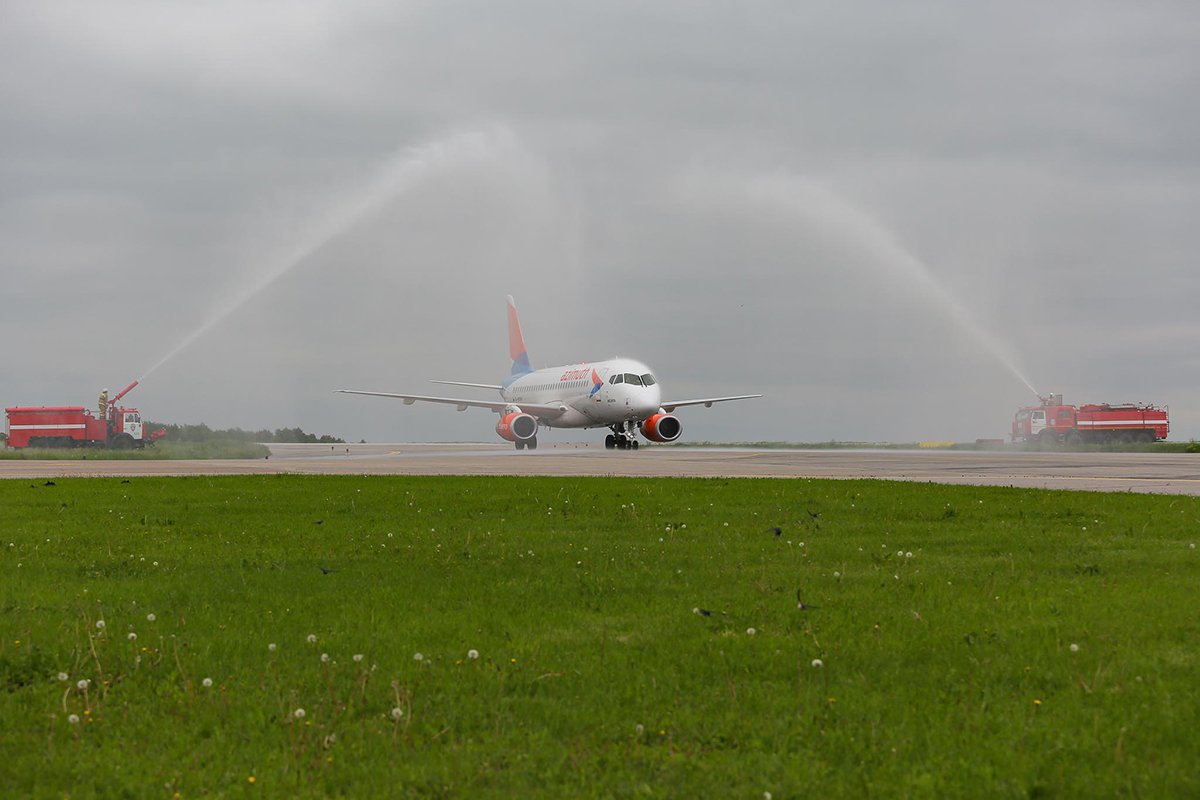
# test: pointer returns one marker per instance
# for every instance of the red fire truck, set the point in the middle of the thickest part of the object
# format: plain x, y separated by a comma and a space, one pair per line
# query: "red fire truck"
74, 426
1052, 422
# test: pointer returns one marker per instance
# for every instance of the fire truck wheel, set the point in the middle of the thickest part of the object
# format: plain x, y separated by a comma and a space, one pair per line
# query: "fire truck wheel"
122, 441
1124, 437
1071, 438
1047, 438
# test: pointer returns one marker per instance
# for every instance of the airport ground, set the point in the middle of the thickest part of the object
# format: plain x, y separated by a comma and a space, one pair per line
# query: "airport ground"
1163, 473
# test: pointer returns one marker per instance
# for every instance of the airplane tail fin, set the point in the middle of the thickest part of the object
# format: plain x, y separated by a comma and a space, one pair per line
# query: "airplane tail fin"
516, 342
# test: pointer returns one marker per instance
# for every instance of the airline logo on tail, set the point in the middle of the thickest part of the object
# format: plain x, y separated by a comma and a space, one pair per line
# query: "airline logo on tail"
516, 343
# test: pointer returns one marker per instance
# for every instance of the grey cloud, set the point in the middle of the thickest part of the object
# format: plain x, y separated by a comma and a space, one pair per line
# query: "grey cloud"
159, 160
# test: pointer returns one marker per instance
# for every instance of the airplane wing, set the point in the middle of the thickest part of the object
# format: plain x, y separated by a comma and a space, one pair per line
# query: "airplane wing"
706, 402
548, 412
495, 386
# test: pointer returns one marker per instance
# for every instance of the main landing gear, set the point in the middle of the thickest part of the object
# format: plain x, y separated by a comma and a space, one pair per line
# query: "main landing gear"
623, 437
530, 443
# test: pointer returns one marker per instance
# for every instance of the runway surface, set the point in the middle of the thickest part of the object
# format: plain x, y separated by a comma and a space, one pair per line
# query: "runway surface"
1164, 473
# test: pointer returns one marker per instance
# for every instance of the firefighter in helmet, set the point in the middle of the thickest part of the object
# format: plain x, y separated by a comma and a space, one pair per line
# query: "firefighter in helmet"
103, 403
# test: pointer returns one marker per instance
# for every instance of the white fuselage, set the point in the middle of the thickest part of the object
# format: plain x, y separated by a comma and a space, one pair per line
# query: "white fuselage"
597, 394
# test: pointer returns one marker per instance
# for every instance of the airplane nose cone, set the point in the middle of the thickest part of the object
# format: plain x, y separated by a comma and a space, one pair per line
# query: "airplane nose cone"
648, 401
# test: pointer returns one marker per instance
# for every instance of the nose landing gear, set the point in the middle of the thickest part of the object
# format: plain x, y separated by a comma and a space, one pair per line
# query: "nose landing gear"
623, 437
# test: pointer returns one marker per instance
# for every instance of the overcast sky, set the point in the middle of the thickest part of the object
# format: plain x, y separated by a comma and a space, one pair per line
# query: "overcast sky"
878, 214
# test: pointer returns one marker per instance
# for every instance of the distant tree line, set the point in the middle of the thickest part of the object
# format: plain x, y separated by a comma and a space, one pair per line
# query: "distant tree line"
203, 433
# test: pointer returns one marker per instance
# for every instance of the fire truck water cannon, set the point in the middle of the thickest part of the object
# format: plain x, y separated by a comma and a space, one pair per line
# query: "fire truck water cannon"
113, 427
1054, 422
125, 391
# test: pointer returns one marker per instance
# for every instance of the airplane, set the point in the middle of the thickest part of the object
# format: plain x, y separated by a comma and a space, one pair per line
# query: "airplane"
619, 394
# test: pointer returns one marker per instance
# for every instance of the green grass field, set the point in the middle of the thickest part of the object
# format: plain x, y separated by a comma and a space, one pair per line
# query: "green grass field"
964, 641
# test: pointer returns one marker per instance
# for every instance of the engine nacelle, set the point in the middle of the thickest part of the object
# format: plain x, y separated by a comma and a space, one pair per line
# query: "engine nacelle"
662, 428
517, 427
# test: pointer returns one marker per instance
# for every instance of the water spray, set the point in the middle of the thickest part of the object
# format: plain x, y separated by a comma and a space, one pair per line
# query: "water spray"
814, 200
402, 173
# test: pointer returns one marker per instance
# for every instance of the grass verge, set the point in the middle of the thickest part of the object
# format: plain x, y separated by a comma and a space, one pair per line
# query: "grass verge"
162, 451
961, 641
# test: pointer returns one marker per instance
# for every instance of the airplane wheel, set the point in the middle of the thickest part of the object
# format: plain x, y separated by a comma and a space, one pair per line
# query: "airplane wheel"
633, 445
532, 443
610, 442
520, 445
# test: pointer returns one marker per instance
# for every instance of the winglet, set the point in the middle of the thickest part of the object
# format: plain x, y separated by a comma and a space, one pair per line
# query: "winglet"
516, 342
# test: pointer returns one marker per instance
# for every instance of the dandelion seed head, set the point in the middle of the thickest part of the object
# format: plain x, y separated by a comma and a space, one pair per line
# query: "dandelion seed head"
397, 713
271, 647
817, 663
62, 676
132, 636
206, 683
298, 713
418, 657
639, 729
150, 617
324, 658
99, 624
358, 657
73, 719
1074, 647
472, 654
908, 554
750, 631
312, 638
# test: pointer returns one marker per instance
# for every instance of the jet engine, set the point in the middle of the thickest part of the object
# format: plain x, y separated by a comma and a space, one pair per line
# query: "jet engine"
517, 426
662, 428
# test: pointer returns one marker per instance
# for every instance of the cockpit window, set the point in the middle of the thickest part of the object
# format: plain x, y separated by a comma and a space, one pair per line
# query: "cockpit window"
617, 379
648, 379
636, 380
